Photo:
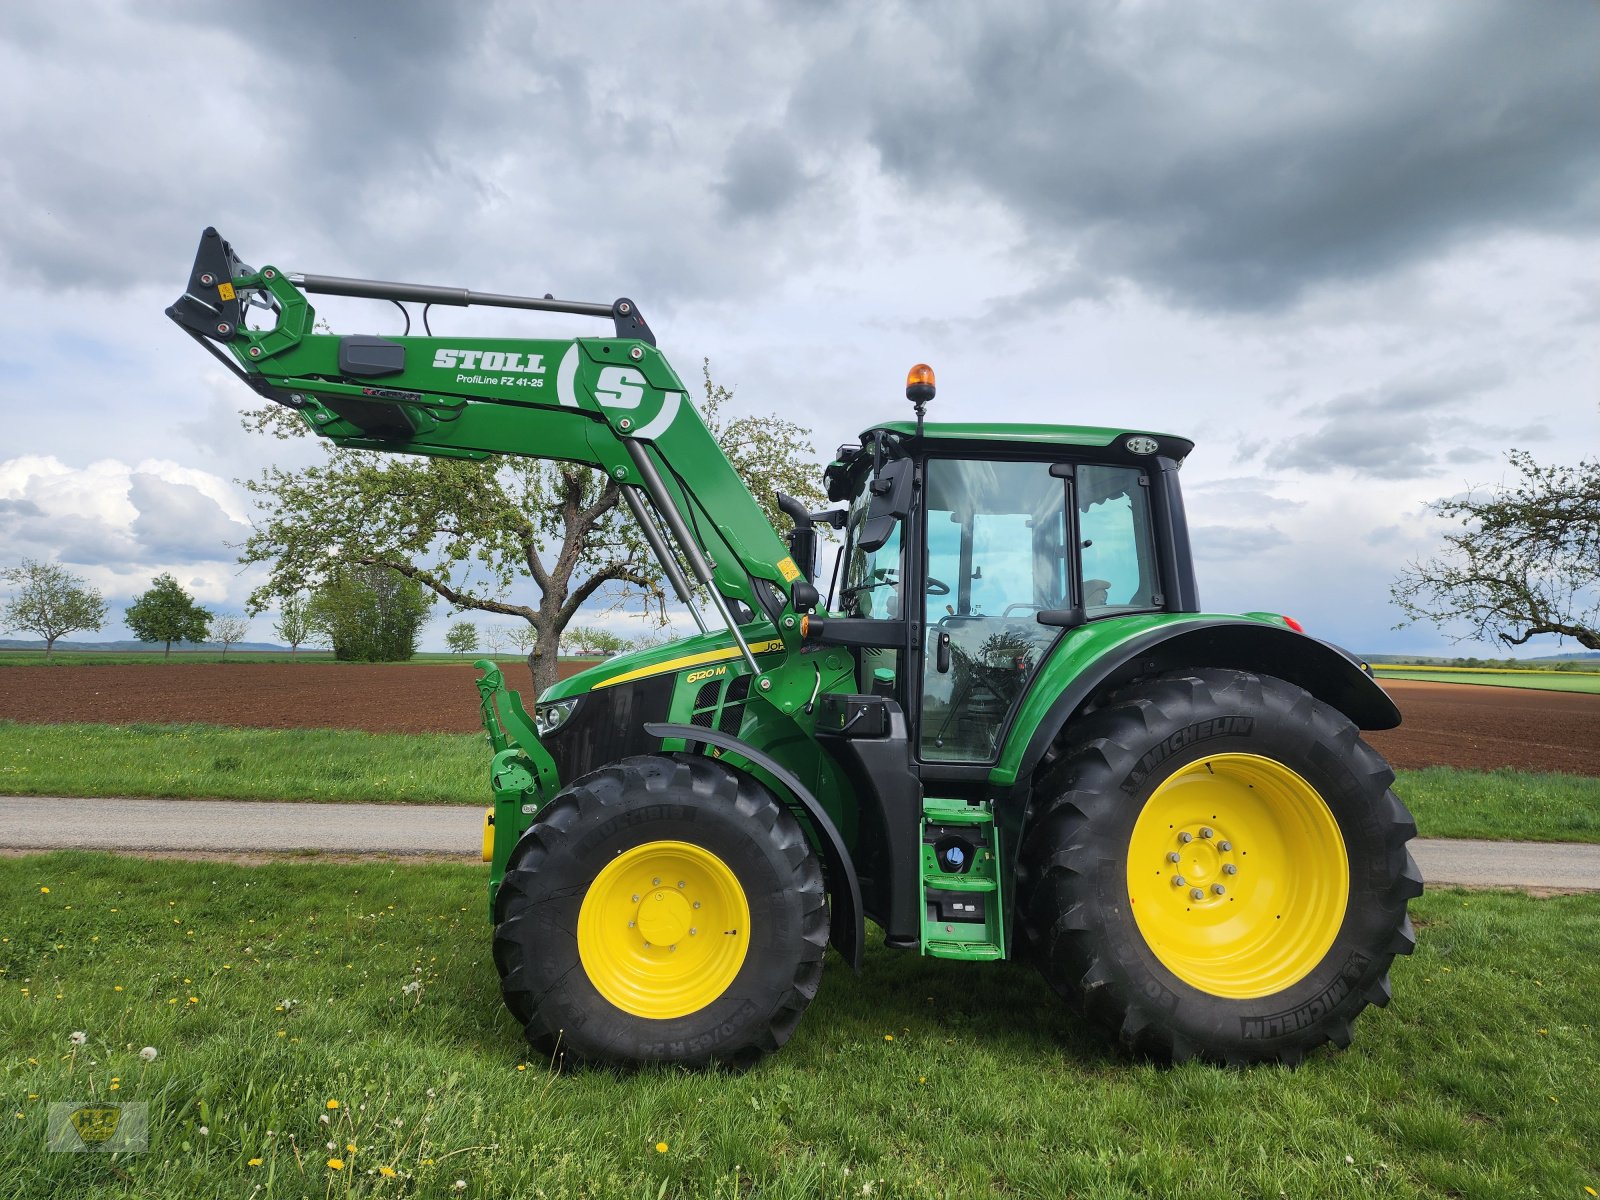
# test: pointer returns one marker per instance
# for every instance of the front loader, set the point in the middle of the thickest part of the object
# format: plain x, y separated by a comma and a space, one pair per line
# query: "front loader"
1009, 729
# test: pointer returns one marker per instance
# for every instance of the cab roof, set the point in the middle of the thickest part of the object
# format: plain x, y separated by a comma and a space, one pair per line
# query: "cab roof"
1046, 435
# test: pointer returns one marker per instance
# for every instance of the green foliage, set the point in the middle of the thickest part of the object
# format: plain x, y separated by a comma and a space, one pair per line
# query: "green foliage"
1526, 561
50, 601
587, 639
1476, 1081
461, 637
166, 613
369, 614
475, 533
294, 624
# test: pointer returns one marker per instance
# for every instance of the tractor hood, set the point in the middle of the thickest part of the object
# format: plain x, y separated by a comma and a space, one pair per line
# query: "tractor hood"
702, 649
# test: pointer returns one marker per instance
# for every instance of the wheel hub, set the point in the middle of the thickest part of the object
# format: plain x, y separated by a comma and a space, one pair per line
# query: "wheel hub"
1237, 875
663, 929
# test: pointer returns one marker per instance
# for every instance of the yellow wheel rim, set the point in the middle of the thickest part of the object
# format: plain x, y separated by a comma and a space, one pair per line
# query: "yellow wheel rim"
1238, 876
663, 929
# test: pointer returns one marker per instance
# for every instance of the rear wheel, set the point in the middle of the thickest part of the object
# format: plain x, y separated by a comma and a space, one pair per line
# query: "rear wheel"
1217, 868
664, 909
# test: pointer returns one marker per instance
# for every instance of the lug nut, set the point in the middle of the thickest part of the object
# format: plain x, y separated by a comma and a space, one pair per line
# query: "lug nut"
1230, 869
682, 884
1206, 831
1177, 881
1224, 845
656, 882
636, 897
630, 924
1196, 894
693, 931
1173, 856
697, 904
1186, 837
1219, 889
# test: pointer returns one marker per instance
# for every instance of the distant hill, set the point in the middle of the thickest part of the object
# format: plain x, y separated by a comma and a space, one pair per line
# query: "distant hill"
1586, 657
129, 646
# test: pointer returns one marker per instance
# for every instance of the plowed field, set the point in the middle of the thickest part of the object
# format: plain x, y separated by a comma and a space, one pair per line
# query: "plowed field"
1446, 724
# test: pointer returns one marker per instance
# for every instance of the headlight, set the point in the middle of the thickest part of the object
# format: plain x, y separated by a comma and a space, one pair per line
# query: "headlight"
552, 716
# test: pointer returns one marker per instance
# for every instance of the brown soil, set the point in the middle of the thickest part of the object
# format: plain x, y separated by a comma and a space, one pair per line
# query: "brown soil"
1446, 724
1462, 725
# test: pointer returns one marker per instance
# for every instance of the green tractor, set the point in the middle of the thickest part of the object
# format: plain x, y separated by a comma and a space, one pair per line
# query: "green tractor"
1008, 730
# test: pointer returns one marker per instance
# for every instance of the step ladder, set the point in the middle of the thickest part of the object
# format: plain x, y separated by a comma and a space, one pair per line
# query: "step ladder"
963, 915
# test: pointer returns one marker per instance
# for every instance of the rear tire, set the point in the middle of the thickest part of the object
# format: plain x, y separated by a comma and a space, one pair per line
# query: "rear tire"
662, 909
1140, 896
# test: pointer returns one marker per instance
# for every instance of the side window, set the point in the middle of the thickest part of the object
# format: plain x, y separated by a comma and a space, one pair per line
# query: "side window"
1114, 523
872, 585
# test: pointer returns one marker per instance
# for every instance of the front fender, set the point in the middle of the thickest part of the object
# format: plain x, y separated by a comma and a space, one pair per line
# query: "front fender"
848, 932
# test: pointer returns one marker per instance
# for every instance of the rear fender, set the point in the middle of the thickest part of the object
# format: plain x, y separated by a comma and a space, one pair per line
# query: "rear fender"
1328, 673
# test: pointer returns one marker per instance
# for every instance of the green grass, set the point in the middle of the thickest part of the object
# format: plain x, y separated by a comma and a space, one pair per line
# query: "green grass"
1504, 804
324, 764
1477, 1081
1544, 681
242, 764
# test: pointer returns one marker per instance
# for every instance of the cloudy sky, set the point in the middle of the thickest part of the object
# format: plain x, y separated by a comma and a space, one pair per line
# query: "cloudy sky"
1349, 249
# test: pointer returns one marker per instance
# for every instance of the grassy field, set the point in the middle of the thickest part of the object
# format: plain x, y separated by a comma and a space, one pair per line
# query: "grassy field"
320, 764
270, 992
1544, 681
152, 658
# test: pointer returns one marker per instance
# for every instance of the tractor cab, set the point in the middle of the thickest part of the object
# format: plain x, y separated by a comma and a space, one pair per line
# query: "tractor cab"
971, 550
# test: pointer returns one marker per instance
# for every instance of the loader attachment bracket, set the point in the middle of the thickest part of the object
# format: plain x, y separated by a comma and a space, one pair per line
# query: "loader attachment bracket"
210, 306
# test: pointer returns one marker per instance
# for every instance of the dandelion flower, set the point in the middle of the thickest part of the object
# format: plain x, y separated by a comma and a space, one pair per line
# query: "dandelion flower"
116, 1087
78, 1038
254, 1162
45, 890
350, 1147
888, 1037
204, 1131
661, 1147
194, 999
461, 1185
336, 1164
148, 1054
386, 1172
116, 987
332, 1104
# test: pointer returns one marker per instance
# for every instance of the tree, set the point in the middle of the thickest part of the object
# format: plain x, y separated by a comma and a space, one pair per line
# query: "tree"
228, 629
293, 625
50, 601
369, 614
1526, 561
167, 613
462, 637
494, 638
523, 637
586, 639
472, 532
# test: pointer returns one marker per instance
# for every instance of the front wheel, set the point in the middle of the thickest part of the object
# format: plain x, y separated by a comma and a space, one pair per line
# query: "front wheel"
1216, 867
663, 909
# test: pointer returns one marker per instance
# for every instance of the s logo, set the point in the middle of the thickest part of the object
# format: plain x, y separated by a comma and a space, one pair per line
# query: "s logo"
619, 387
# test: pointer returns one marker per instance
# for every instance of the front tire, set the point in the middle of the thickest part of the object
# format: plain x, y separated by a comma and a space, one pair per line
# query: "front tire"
1217, 868
662, 909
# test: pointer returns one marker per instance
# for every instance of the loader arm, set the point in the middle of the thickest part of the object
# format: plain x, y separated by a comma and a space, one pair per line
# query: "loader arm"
613, 403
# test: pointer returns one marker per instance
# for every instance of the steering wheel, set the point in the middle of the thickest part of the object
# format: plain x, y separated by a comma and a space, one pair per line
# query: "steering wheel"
1010, 608
937, 587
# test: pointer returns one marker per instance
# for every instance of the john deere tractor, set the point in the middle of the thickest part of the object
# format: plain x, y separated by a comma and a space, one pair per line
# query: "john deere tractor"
1007, 730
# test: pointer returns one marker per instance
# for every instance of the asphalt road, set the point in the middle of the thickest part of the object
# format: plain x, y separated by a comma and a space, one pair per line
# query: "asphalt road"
247, 826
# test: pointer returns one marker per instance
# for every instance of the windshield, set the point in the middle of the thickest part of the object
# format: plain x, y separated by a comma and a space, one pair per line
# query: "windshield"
871, 586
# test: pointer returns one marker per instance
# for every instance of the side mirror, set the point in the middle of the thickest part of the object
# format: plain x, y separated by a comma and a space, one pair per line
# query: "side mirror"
1062, 618
891, 503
